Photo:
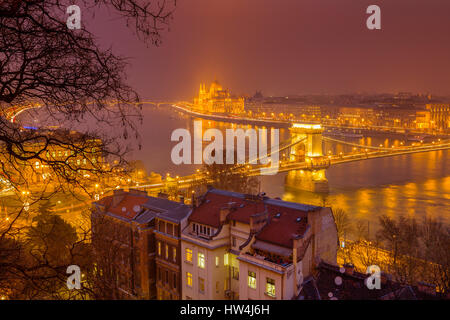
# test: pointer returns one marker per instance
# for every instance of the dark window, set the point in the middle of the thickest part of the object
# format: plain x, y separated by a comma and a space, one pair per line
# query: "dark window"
162, 226
170, 228
167, 276
175, 280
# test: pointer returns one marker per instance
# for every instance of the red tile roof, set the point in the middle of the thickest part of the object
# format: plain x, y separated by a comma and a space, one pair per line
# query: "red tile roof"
127, 207
279, 231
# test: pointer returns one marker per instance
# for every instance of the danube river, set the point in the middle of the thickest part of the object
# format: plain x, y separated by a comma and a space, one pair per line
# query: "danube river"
416, 185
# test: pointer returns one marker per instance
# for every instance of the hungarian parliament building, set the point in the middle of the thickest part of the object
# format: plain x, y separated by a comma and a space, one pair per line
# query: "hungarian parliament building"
217, 100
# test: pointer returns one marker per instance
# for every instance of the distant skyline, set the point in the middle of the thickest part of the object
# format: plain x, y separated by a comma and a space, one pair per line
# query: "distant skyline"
286, 47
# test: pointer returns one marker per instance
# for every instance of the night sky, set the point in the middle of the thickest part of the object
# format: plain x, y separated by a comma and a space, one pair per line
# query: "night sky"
286, 47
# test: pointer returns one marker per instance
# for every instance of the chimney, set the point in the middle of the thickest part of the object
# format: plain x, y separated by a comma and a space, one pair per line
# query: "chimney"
296, 244
349, 268
258, 221
224, 214
193, 204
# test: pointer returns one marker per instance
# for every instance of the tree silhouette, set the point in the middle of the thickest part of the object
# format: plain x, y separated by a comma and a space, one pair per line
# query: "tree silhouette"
73, 83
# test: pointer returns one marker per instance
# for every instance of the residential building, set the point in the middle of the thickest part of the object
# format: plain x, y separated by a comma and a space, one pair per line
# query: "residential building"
238, 246
124, 241
170, 220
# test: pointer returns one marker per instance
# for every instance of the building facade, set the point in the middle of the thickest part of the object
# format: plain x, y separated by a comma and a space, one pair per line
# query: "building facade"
439, 116
168, 226
125, 227
239, 246
217, 100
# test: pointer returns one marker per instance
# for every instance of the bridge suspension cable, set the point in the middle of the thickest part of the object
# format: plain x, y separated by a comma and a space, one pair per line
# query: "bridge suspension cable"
285, 145
356, 145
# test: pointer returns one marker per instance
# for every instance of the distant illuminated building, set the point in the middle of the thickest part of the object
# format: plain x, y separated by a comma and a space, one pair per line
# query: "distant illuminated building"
440, 116
81, 152
423, 119
218, 100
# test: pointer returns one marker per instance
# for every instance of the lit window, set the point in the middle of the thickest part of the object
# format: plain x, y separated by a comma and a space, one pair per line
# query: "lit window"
174, 254
189, 279
235, 272
252, 280
270, 287
159, 248
201, 285
201, 260
225, 259
167, 251
189, 255
217, 261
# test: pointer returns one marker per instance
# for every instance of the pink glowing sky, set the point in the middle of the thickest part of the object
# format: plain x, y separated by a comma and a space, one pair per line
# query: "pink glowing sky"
287, 47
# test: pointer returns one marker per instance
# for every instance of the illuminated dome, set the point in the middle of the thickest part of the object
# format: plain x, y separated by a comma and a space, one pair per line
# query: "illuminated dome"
216, 86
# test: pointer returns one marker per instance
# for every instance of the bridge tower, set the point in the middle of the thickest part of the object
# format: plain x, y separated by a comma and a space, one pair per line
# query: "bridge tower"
313, 177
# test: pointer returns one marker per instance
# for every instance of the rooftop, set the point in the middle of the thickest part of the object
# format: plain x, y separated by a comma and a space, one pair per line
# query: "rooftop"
138, 206
287, 220
336, 283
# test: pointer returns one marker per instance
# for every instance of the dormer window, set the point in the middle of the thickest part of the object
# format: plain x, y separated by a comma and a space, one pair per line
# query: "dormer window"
202, 230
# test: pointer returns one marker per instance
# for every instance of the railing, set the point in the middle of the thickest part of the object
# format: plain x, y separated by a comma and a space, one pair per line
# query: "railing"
265, 263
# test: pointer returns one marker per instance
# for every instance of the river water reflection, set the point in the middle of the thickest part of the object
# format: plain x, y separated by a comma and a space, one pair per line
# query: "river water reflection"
416, 185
